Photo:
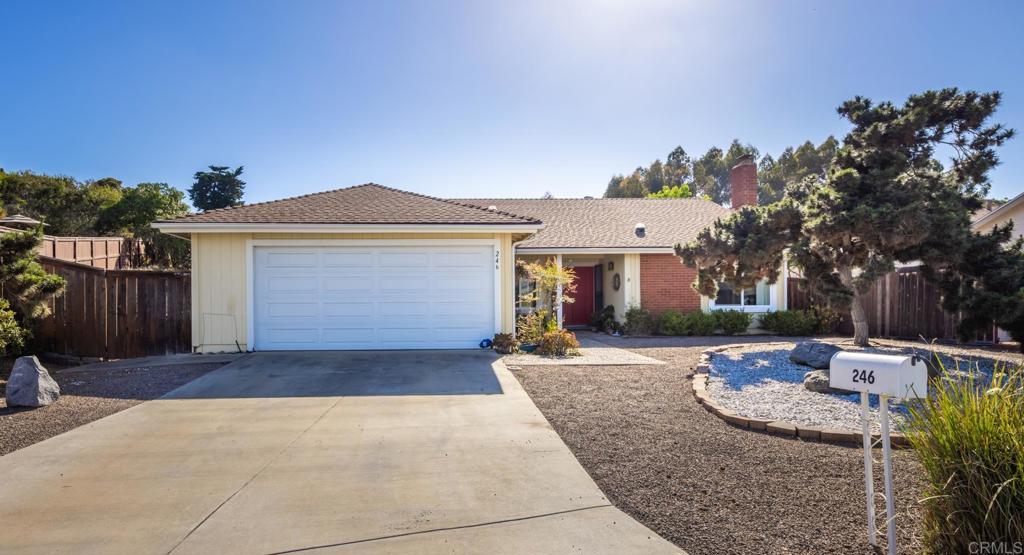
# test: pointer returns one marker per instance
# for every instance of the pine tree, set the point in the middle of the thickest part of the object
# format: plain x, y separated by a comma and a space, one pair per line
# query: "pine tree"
886, 199
25, 283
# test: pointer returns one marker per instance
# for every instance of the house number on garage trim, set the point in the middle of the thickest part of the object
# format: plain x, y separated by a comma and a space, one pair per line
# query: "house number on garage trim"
497, 259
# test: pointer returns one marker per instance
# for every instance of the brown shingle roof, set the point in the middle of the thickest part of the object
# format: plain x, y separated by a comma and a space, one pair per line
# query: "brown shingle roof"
610, 223
362, 204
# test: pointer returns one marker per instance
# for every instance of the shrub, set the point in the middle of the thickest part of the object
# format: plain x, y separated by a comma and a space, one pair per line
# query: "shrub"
700, 323
732, 322
601, 320
638, 321
672, 323
12, 336
790, 322
800, 322
970, 439
505, 343
530, 328
558, 343
828, 319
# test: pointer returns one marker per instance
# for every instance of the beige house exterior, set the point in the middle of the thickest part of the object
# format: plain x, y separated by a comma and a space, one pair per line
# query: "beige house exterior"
1010, 211
370, 267
221, 283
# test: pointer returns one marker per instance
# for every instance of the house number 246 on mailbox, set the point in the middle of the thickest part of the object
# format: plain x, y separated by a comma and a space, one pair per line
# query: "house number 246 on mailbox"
863, 376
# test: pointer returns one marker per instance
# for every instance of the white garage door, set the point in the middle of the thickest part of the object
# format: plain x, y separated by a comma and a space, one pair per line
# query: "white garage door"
423, 297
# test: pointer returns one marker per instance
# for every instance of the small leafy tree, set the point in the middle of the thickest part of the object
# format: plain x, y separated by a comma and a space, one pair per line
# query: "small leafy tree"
676, 191
885, 199
221, 187
134, 213
546, 278
26, 285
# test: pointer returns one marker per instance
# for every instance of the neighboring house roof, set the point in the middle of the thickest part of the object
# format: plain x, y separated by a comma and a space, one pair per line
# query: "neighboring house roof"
362, 204
990, 212
18, 219
610, 223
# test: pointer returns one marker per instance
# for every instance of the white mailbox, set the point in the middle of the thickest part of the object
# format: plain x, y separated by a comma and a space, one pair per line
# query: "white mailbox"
904, 377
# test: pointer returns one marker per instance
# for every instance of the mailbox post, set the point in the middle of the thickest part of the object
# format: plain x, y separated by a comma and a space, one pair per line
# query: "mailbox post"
902, 377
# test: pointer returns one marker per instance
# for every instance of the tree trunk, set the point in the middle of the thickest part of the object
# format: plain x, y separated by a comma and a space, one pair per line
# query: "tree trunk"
860, 321
857, 314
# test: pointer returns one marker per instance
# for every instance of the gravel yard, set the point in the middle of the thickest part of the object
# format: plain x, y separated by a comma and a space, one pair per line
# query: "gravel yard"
699, 482
760, 381
87, 396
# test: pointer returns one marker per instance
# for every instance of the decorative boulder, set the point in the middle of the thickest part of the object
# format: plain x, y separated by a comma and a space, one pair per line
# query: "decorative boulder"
817, 381
30, 385
813, 354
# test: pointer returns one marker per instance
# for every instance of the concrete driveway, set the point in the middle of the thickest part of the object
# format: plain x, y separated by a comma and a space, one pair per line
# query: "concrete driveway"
363, 452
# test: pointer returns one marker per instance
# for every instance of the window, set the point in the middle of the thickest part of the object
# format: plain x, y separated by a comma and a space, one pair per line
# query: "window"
751, 299
524, 286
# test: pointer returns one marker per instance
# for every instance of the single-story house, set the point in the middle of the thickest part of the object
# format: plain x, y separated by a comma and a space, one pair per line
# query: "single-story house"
371, 267
994, 213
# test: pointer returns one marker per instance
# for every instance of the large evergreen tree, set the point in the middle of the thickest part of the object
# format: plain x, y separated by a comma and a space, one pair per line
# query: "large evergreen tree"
985, 284
221, 187
885, 199
708, 176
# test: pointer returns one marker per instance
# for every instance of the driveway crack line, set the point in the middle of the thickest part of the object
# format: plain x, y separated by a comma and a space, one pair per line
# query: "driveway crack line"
434, 530
257, 473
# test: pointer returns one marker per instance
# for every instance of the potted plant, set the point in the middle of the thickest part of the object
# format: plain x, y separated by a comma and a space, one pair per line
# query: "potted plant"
529, 329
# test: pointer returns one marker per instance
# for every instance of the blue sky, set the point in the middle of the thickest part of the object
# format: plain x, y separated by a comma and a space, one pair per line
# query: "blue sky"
478, 98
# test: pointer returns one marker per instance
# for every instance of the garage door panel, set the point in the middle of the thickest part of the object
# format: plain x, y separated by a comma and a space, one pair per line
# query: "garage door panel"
347, 284
303, 259
414, 259
347, 335
460, 259
373, 298
463, 284
292, 309
403, 285
292, 335
348, 259
462, 309
291, 284
347, 309
404, 309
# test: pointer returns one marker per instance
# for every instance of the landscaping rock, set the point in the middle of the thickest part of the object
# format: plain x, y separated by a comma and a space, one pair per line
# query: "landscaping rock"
30, 385
818, 380
813, 354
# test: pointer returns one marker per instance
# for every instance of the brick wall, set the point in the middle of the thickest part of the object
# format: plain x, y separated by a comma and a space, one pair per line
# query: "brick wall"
665, 284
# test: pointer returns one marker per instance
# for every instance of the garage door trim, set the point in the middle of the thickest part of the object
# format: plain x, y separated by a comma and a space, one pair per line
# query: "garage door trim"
250, 250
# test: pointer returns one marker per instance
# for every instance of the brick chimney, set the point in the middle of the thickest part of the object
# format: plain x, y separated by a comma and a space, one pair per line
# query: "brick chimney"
743, 182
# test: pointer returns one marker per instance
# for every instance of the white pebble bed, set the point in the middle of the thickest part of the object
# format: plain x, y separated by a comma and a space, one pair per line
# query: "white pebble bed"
760, 381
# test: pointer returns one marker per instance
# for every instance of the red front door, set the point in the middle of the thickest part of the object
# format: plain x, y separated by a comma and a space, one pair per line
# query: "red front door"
578, 313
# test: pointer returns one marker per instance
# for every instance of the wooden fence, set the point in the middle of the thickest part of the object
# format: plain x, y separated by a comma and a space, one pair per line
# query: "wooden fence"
109, 253
117, 313
901, 304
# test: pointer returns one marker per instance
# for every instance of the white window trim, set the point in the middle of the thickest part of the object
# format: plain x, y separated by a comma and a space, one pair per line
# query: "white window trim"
753, 308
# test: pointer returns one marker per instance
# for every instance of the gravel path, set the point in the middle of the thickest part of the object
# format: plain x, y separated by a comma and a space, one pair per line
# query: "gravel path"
88, 396
760, 381
700, 483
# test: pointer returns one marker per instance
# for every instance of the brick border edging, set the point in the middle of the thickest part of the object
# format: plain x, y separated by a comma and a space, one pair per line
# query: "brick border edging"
774, 427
